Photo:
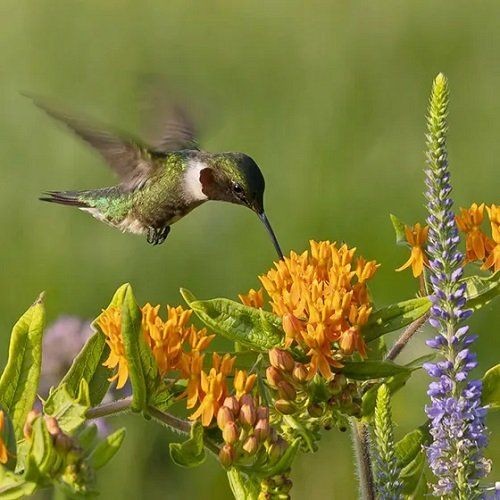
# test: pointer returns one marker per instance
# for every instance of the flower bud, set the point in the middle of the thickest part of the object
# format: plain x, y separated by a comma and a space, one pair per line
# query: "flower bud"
27, 429
285, 407
248, 413
231, 402
227, 455
63, 442
251, 445
276, 450
300, 372
261, 430
348, 341
286, 390
337, 384
224, 415
345, 399
291, 325
246, 399
315, 410
230, 433
281, 359
52, 426
262, 413
273, 376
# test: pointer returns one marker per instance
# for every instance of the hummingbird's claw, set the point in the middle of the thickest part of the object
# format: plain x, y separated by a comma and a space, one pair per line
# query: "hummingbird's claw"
156, 236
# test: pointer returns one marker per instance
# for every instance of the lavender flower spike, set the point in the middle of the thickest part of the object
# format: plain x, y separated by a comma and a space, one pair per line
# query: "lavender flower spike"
457, 417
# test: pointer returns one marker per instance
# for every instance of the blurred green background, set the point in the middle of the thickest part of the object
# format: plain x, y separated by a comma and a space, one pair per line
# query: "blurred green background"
328, 97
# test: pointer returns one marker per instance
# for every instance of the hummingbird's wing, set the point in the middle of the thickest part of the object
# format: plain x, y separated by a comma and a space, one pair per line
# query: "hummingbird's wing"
127, 158
177, 132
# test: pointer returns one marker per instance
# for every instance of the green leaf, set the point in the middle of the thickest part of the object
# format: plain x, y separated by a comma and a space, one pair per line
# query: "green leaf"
395, 317
242, 486
491, 388
377, 349
67, 409
481, 291
190, 453
370, 396
141, 365
162, 398
88, 365
411, 475
87, 435
370, 369
19, 381
419, 362
410, 446
399, 229
13, 486
257, 329
119, 296
106, 449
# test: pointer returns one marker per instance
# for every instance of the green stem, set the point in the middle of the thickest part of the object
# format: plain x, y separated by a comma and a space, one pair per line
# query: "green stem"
405, 337
109, 409
180, 425
360, 439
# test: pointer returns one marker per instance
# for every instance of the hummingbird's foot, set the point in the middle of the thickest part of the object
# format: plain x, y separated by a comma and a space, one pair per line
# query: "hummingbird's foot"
156, 236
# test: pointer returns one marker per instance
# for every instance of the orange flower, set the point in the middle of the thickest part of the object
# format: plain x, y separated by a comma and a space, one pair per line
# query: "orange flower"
212, 389
416, 237
493, 257
314, 293
253, 298
4, 454
243, 383
167, 338
110, 322
477, 243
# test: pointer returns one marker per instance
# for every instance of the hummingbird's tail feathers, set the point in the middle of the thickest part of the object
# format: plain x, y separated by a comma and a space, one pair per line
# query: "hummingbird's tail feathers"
70, 198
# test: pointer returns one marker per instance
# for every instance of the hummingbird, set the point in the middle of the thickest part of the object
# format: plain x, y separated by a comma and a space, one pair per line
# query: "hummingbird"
160, 183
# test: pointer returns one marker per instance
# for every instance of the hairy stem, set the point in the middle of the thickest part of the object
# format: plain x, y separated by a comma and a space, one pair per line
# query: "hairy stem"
180, 425
405, 337
108, 409
360, 439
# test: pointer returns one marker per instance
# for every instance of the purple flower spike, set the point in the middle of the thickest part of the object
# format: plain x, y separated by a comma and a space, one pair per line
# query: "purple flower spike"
457, 418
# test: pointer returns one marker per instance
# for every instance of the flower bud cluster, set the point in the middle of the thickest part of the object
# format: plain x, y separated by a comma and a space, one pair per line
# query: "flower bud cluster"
247, 432
319, 403
275, 487
67, 457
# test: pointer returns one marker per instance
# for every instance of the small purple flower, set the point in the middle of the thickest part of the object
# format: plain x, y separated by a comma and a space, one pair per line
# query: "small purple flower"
457, 417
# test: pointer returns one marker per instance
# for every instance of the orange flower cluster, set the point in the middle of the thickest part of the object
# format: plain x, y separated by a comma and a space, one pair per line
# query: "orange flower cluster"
178, 348
477, 244
323, 300
416, 236
175, 346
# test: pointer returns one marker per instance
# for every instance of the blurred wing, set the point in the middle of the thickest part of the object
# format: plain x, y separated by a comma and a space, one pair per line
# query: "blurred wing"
177, 132
128, 160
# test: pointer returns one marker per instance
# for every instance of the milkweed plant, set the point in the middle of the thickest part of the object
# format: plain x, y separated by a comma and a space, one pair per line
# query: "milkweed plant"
309, 356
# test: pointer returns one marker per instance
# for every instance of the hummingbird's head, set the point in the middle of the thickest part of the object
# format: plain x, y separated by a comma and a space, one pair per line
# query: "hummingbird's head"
236, 178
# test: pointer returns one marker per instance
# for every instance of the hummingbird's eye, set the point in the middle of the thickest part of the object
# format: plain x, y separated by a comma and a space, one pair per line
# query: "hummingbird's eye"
237, 189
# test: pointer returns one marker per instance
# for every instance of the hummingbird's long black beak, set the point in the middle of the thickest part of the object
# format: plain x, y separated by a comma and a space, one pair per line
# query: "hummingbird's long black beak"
264, 219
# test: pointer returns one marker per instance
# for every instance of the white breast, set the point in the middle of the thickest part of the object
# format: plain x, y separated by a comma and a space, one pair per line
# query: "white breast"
192, 184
